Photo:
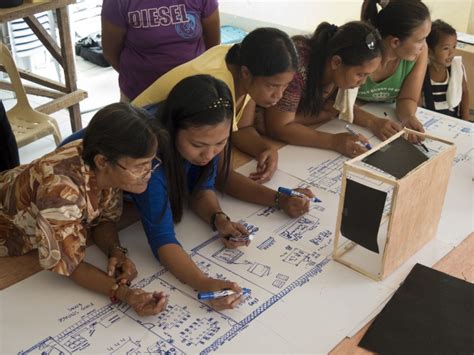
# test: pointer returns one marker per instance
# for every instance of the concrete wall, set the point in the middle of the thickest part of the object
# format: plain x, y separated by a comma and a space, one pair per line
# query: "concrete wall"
305, 15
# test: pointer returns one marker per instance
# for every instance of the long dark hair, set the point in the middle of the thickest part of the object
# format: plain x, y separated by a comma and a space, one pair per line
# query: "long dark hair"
196, 101
265, 51
398, 19
355, 43
439, 28
119, 130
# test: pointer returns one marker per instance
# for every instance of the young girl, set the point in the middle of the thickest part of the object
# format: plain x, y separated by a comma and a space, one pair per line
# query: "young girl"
55, 202
260, 67
445, 87
197, 120
404, 26
333, 60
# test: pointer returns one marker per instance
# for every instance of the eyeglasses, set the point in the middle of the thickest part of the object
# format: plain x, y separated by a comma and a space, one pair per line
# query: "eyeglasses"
140, 174
371, 40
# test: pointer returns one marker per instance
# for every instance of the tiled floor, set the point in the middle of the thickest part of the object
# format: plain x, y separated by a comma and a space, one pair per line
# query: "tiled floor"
102, 87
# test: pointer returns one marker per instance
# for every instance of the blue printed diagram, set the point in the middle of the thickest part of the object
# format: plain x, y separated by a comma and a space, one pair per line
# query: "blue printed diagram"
278, 261
452, 129
327, 176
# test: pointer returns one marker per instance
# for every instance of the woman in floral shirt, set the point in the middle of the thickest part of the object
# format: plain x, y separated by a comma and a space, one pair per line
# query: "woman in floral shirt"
56, 202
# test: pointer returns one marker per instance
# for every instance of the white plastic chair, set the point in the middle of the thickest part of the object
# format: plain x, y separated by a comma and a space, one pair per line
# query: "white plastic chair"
28, 124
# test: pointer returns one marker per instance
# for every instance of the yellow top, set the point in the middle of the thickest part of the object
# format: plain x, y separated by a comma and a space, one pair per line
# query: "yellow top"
211, 62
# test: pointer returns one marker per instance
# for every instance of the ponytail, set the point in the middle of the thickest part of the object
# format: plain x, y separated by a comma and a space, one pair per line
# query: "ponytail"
398, 19
355, 43
265, 52
369, 12
233, 55
312, 100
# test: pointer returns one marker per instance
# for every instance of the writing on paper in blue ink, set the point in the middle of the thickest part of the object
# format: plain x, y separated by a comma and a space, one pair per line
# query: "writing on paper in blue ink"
351, 131
290, 192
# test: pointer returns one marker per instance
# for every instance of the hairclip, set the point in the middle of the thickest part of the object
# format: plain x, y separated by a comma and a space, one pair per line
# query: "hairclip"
371, 39
219, 103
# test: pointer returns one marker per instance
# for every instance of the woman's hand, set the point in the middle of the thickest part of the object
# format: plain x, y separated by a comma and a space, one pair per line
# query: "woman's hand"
384, 128
121, 267
227, 302
295, 206
349, 144
233, 234
143, 303
413, 123
267, 163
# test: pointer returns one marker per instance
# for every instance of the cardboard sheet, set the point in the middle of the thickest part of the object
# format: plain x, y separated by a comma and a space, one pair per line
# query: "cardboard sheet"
431, 313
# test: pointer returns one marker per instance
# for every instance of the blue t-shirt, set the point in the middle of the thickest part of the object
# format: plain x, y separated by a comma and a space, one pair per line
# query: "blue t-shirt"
154, 200
154, 206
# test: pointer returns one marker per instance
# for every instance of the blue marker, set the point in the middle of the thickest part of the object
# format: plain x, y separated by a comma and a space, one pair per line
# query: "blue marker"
351, 131
290, 192
218, 294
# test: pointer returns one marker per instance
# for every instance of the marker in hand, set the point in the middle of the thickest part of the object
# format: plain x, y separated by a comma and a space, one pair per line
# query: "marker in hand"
218, 294
290, 192
420, 143
351, 131
246, 238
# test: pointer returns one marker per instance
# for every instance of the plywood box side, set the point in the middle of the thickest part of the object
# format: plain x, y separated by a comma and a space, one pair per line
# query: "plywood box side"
342, 195
417, 210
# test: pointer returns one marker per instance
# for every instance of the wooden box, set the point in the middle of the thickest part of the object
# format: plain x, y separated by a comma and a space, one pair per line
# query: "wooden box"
411, 209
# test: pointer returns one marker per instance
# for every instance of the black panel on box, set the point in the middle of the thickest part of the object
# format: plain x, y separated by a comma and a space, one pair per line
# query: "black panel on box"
431, 313
362, 213
397, 158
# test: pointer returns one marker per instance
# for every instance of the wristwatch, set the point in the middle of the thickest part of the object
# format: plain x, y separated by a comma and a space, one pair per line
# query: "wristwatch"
213, 219
118, 247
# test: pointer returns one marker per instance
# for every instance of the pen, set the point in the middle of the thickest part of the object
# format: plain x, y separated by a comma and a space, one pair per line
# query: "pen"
351, 131
424, 147
290, 192
421, 144
219, 294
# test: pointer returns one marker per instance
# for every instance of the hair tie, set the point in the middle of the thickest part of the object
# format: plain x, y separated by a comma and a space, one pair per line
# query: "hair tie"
333, 29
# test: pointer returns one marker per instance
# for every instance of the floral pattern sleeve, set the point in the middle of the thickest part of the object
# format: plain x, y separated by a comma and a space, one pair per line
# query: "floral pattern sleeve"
61, 235
50, 204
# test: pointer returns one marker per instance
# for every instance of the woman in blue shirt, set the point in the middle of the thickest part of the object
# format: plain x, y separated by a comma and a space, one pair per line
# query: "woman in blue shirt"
196, 122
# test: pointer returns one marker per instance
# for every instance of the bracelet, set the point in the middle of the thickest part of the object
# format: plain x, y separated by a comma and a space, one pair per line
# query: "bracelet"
114, 289
118, 247
277, 200
213, 219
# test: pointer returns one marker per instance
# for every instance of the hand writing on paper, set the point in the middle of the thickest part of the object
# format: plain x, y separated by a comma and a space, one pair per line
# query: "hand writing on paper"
296, 206
414, 124
384, 128
227, 302
233, 234
349, 145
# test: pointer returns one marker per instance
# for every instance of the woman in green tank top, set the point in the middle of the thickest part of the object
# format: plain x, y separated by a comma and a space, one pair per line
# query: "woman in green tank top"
333, 63
404, 26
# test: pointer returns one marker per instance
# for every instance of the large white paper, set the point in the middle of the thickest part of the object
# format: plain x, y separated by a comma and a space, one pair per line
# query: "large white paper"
301, 300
